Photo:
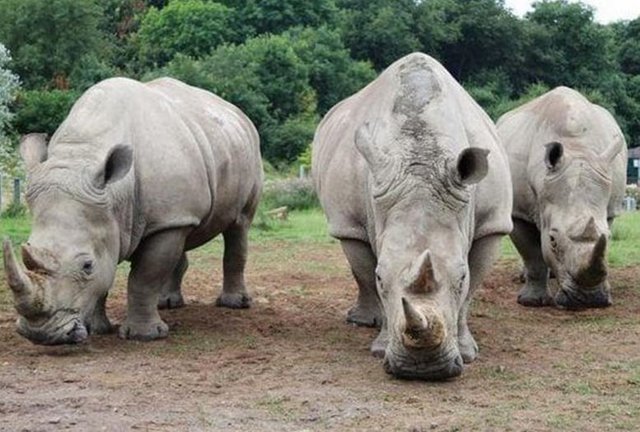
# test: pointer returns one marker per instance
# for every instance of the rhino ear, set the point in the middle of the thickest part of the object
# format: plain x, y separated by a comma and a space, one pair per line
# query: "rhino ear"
553, 154
33, 149
367, 145
472, 165
116, 166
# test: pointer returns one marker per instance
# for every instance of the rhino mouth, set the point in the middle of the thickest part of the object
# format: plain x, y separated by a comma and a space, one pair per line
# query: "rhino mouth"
426, 366
574, 296
573, 299
58, 330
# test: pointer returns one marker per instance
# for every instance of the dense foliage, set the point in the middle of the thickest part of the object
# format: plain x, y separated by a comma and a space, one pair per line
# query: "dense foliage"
287, 62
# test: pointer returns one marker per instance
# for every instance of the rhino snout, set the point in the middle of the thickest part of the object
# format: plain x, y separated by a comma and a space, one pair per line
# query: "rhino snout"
71, 331
423, 366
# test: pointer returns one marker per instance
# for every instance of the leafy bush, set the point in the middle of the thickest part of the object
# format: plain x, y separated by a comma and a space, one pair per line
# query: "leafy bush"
14, 210
294, 193
41, 110
190, 27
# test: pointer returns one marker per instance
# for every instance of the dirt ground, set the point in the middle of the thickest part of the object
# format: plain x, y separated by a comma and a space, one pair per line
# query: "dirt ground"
291, 363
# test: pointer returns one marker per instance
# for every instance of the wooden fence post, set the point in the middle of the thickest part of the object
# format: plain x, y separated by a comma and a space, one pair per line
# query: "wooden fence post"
16, 192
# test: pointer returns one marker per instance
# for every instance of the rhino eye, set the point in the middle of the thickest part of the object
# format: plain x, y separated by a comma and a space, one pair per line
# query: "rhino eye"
87, 267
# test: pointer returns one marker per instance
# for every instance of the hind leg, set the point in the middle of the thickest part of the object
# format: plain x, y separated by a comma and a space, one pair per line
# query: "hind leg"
171, 294
234, 291
367, 310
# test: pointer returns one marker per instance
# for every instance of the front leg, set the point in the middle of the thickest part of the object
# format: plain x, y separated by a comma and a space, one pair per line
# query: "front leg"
153, 264
98, 323
234, 291
482, 255
526, 238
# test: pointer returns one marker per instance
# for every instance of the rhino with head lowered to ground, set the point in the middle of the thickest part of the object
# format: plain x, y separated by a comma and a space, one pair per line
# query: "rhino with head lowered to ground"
138, 172
416, 187
568, 162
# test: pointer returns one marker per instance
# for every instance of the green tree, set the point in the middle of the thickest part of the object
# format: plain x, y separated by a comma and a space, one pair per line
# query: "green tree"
565, 46
49, 39
268, 81
333, 74
629, 52
9, 84
189, 27
255, 17
472, 36
42, 110
379, 30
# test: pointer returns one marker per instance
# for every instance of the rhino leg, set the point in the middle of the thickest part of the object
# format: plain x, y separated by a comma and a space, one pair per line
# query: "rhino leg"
367, 311
482, 255
526, 238
151, 266
98, 323
234, 291
171, 294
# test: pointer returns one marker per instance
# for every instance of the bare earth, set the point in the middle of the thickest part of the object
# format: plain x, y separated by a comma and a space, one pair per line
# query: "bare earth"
291, 363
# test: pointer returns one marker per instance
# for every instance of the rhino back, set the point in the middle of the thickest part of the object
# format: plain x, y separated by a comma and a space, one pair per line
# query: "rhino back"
565, 116
417, 94
196, 157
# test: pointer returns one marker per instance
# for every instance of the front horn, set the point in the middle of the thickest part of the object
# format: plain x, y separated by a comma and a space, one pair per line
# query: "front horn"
19, 282
421, 331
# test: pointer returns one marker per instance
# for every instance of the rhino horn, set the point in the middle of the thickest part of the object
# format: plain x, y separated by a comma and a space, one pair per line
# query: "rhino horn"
414, 319
598, 260
422, 276
590, 231
420, 331
19, 282
596, 268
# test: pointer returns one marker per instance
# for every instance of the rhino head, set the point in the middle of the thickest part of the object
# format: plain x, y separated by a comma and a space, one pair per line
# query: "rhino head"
421, 203
574, 228
69, 261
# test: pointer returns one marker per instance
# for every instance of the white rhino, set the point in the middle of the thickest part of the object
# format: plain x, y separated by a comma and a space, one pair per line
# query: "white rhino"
568, 162
416, 187
138, 172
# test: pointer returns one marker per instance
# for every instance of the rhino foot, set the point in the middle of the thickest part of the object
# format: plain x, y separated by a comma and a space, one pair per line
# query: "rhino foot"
468, 347
172, 300
234, 300
365, 317
144, 331
534, 297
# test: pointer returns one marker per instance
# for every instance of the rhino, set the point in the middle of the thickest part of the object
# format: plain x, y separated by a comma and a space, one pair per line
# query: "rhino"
416, 187
141, 172
568, 162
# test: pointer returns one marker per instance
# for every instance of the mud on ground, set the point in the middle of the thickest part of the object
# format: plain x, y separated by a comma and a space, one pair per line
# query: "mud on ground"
291, 363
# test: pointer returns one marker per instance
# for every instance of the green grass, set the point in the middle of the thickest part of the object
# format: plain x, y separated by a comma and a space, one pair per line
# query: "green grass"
17, 229
625, 247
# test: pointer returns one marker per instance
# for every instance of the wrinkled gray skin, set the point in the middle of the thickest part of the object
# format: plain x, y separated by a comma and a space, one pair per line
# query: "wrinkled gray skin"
138, 172
568, 162
416, 188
